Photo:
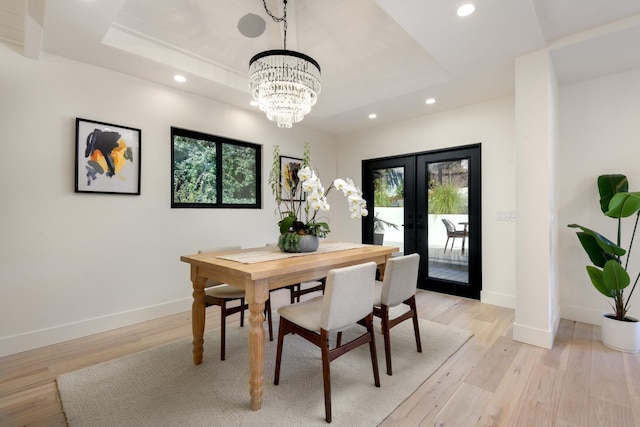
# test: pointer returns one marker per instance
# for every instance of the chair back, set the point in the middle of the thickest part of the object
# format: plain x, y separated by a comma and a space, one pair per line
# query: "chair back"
348, 296
400, 279
449, 225
212, 282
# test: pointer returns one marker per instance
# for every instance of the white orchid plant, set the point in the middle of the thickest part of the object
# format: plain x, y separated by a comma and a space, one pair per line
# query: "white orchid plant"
298, 214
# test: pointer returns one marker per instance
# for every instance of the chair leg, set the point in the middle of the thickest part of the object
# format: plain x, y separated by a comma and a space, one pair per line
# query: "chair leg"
281, 334
387, 336
242, 312
372, 350
267, 312
326, 373
416, 328
445, 245
292, 293
223, 327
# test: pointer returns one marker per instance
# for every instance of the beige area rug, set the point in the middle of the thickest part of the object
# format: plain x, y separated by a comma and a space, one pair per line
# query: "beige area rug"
162, 387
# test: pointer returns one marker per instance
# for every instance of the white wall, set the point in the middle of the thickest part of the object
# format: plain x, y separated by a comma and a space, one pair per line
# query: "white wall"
599, 134
492, 125
76, 264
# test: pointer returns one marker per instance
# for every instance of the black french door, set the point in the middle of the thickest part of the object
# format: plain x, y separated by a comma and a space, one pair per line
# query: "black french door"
429, 203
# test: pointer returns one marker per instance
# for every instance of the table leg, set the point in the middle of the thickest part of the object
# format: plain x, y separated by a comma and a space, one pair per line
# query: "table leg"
197, 316
256, 296
382, 267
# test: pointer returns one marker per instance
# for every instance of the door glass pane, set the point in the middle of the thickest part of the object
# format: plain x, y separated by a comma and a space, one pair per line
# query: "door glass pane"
388, 207
447, 186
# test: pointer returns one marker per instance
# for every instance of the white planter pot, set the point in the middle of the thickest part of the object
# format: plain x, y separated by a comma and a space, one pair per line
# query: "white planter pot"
621, 335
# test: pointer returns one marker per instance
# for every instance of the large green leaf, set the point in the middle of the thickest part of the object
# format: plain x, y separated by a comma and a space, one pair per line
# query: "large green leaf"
597, 256
605, 244
609, 186
597, 278
615, 277
623, 205
286, 223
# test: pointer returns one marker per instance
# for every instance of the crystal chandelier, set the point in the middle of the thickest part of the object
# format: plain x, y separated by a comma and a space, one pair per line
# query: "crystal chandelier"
285, 83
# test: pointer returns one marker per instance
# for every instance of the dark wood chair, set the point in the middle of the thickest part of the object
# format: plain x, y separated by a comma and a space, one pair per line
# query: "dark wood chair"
395, 300
348, 300
304, 288
452, 234
221, 294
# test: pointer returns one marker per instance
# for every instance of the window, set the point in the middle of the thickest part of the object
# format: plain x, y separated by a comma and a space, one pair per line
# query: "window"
210, 171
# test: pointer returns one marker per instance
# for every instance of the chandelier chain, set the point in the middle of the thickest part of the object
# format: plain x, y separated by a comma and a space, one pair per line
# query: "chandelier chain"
276, 19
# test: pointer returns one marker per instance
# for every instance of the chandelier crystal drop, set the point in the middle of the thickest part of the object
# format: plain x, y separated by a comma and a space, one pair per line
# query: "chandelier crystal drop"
284, 83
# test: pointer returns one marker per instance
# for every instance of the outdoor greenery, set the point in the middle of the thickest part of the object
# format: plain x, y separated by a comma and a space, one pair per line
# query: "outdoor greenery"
238, 174
445, 199
380, 225
388, 187
194, 172
446, 179
200, 165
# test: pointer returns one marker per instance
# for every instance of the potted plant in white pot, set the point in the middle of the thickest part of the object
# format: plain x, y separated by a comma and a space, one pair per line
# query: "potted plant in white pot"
609, 273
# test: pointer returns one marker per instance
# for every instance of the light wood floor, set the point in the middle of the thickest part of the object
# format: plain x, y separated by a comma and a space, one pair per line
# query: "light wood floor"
491, 381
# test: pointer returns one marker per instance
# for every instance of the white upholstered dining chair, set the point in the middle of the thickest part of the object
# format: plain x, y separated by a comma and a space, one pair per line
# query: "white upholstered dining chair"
348, 300
395, 299
220, 294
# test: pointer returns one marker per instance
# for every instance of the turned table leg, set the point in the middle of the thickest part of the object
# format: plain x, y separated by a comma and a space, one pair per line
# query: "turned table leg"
256, 296
197, 316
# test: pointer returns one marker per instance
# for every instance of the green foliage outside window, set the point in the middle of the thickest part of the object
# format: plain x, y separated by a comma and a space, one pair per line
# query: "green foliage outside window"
194, 171
445, 199
211, 171
388, 187
238, 174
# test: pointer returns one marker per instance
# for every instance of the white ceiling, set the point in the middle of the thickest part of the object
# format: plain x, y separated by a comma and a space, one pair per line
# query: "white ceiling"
377, 56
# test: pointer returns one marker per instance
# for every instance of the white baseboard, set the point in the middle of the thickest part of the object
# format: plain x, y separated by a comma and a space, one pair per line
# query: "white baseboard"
494, 298
534, 336
57, 334
581, 314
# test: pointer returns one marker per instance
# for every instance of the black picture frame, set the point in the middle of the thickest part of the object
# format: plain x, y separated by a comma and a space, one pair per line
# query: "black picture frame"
289, 167
107, 158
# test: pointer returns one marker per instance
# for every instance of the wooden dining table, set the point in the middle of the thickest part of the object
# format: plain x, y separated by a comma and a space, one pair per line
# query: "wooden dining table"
257, 278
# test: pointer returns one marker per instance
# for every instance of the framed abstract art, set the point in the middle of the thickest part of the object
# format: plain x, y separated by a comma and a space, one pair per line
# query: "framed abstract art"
107, 158
289, 181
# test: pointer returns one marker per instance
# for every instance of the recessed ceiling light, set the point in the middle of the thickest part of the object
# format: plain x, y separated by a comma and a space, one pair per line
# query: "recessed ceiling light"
430, 101
179, 78
373, 116
466, 9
